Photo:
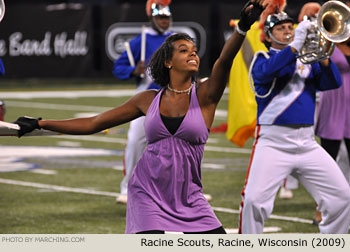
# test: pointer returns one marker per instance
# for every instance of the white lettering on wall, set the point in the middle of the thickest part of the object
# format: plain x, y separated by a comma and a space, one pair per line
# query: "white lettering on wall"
27, 47
71, 47
3, 49
61, 46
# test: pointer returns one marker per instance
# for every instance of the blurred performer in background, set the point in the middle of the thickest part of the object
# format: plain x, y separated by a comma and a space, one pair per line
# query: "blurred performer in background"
160, 18
2, 110
333, 120
2, 68
2, 103
289, 184
333, 117
285, 141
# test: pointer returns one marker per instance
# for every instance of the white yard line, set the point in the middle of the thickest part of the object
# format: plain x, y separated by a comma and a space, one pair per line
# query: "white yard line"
40, 105
44, 171
265, 230
67, 94
12, 158
106, 139
235, 230
57, 188
227, 149
272, 216
70, 94
219, 113
123, 141
94, 138
113, 194
213, 166
51, 151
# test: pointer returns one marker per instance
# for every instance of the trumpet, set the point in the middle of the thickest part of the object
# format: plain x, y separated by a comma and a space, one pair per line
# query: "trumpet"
332, 25
2, 9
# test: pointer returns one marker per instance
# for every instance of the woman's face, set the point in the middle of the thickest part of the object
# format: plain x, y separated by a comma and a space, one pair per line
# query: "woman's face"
185, 56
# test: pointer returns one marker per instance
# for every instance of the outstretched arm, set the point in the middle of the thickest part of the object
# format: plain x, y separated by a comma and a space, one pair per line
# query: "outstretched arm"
91, 125
211, 92
135, 107
328, 75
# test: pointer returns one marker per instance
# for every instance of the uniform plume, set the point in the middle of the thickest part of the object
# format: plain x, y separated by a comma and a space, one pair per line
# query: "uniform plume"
150, 2
272, 7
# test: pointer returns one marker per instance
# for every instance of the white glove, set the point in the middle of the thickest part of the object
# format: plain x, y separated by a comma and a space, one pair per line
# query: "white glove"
300, 34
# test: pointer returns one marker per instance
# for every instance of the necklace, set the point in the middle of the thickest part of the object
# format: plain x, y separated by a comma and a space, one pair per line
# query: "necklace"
187, 91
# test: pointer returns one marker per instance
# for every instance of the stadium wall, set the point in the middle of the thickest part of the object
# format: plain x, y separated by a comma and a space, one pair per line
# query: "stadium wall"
81, 39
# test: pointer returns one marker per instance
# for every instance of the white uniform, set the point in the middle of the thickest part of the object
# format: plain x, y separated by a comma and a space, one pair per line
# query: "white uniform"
343, 161
290, 183
285, 143
136, 142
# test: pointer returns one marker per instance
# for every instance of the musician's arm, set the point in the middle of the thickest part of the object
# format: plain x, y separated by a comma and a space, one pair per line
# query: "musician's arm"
329, 76
279, 64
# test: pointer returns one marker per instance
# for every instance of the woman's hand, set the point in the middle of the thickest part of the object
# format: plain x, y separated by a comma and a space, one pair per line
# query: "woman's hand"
250, 13
27, 124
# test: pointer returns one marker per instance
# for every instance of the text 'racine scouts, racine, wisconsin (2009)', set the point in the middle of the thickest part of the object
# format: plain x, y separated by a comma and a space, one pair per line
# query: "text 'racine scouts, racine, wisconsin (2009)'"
221, 242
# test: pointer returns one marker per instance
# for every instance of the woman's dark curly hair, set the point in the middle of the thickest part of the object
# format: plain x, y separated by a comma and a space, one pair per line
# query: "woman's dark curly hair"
156, 65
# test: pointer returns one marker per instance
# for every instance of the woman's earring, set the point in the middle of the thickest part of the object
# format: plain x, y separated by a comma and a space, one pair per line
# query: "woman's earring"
170, 67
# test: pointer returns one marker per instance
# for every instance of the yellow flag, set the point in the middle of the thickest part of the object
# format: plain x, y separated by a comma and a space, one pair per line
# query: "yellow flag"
242, 108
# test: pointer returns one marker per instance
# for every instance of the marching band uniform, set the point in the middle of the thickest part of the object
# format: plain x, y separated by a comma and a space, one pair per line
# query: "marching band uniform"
285, 142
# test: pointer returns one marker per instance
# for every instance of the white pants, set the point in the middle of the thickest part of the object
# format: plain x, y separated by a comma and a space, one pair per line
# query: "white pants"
290, 183
279, 151
343, 161
133, 150
136, 143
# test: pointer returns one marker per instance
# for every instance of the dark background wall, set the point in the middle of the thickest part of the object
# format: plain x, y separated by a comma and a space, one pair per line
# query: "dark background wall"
39, 38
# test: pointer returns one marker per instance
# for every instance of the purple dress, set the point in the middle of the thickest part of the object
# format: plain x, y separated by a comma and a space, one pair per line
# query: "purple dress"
165, 190
333, 118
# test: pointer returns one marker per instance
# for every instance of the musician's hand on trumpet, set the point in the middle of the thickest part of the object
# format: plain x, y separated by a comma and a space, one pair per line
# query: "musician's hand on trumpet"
300, 35
331, 26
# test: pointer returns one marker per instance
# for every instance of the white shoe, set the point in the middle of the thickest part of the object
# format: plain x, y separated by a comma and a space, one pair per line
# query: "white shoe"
122, 198
285, 193
207, 197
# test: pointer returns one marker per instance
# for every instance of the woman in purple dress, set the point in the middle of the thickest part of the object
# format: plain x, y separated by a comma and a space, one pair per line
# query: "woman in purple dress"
333, 118
333, 115
165, 190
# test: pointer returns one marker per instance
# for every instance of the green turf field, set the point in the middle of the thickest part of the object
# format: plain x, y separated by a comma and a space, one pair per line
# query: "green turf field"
32, 203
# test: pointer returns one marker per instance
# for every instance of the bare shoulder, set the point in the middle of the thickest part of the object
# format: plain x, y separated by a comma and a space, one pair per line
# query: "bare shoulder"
144, 99
147, 95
